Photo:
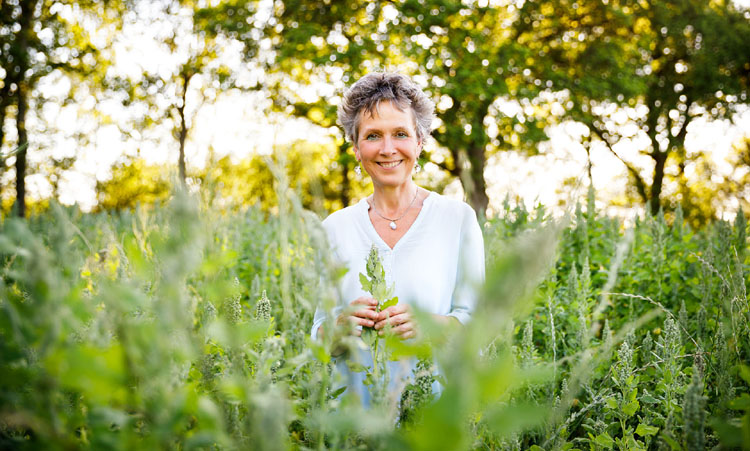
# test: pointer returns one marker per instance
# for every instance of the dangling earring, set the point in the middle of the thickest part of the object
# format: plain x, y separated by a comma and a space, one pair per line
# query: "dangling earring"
358, 170
417, 166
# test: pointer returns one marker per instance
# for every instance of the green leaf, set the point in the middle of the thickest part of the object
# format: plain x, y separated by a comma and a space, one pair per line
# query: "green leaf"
319, 352
390, 303
630, 408
336, 393
378, 291
365, 282
355, 367
649, 399
745, 373
369, 335
604, 440
97, 373
730, 434
670, 441
644, 430
741, 402
505, 420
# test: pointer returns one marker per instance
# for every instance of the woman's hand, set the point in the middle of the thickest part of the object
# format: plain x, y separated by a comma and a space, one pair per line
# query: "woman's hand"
400, 318
361, 312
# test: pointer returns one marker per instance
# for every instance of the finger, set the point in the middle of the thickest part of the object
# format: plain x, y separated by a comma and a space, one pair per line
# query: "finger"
393, 321
400, 319
399, 329
409, 334
363, 322
346, 317
366, 313
405, 330
393, 311
369, 301
381, 323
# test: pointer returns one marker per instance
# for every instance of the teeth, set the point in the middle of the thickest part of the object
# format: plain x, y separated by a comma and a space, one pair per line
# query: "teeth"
392, 164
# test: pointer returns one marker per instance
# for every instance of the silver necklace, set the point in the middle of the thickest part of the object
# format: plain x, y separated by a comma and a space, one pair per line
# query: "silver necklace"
392, 224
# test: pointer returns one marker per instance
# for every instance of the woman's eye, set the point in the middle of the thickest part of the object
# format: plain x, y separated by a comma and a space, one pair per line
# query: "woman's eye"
371, 137
402, 135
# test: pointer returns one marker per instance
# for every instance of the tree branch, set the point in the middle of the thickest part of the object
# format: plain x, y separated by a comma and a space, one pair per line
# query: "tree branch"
454, 171
640, 184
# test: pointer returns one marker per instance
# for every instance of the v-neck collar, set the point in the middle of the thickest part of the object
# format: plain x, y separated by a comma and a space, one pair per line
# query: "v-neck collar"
370, 227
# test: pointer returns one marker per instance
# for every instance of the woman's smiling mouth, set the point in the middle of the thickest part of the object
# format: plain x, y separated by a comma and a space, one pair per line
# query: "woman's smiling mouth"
389, 164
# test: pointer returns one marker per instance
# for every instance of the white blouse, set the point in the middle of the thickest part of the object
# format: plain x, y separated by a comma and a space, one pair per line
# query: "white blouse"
436, 266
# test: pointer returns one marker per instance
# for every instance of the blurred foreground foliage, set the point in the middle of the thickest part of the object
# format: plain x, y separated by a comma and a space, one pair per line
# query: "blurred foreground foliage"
187, 327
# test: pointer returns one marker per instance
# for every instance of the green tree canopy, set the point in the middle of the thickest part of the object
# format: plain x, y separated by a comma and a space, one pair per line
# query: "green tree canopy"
664, 63
39, 38
133, 182
641, 72
194, 71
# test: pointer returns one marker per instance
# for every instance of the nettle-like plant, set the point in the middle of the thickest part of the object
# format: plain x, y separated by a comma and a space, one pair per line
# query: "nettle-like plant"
377, 377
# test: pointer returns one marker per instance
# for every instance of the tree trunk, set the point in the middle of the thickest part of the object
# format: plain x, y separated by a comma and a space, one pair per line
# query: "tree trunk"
660, 158
21, 155
344, 195
475, 187
181, 158
4, 103
27, 13
589, 164
183, 131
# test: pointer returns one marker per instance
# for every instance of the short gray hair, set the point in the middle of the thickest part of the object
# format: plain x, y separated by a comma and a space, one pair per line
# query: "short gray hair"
365, 95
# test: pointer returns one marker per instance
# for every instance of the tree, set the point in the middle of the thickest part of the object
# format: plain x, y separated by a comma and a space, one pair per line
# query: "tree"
550, 60
642, 72
252, 181
39, 38
133, 182
465, 55
190, 73
709, 189
292, 61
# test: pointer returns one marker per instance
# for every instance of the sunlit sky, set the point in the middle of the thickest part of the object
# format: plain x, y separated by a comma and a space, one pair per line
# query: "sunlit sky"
236, 124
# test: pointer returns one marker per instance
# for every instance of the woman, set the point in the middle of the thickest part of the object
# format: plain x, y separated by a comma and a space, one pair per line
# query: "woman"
431, 246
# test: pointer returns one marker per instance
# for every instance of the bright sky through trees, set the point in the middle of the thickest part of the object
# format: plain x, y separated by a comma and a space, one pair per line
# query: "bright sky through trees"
237, 124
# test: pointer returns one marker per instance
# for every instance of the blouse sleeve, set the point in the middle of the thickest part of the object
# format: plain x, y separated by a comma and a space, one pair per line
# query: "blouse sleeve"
318, 319
320, 311
470, 268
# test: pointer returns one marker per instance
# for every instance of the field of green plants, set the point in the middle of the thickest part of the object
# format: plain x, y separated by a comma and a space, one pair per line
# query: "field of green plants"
187, 327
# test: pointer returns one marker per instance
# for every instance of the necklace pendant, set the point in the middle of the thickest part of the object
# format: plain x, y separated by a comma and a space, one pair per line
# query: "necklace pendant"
392, 225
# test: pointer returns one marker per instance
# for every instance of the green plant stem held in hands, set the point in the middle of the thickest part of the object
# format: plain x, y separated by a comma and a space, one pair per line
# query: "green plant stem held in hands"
375, 284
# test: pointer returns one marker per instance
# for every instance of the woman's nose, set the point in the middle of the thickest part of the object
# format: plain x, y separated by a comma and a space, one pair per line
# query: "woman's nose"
388, 146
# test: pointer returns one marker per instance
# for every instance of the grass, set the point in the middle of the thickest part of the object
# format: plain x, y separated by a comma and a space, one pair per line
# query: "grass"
187, 327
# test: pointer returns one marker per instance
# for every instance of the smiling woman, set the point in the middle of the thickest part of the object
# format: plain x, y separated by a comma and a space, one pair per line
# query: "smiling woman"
431, 246
388, 147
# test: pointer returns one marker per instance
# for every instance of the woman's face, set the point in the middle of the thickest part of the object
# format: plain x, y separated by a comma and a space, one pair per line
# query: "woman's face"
388, 145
